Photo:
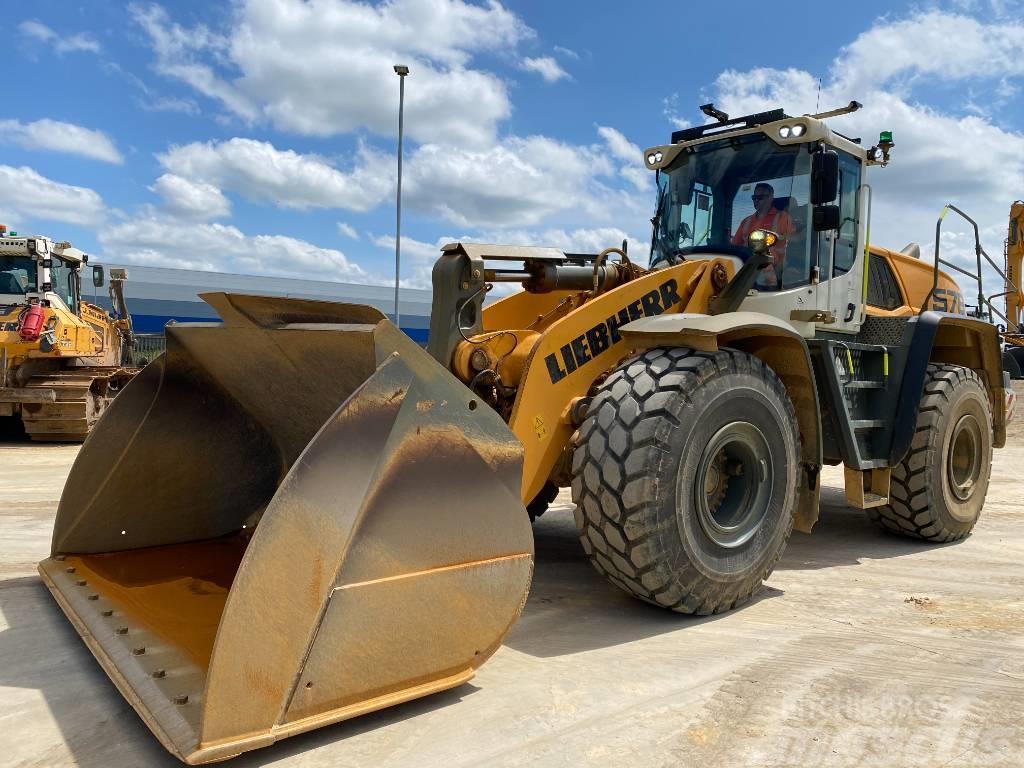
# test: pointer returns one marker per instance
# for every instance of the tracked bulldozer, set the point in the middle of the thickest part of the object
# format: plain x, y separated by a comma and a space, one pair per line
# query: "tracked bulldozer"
298, 515
62, 359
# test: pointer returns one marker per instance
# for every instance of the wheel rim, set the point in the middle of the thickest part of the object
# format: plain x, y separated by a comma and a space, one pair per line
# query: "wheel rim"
963, 462
734, 484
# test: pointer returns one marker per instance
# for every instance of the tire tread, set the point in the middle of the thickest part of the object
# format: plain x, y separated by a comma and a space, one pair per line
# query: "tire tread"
617, 521
910, 511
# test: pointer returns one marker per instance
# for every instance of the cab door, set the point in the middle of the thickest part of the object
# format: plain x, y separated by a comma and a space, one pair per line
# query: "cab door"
840, 290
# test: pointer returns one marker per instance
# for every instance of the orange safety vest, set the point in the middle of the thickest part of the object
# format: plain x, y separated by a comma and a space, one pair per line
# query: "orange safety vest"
771, 221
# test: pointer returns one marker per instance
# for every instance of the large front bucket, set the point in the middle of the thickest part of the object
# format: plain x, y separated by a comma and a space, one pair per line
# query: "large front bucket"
288, 520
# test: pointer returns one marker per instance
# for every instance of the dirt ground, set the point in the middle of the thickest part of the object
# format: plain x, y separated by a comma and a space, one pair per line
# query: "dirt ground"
864, 650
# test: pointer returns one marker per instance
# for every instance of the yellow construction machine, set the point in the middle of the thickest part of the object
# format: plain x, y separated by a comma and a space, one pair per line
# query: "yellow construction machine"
62, 359
1013, 336
298, 515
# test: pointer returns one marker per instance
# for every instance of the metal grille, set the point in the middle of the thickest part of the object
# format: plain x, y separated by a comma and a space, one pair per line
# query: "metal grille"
149, 346
887, 331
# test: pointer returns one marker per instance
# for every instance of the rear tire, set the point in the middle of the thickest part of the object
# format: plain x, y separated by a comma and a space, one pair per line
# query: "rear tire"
939, 488
1013, 362
684, 477
1010, 365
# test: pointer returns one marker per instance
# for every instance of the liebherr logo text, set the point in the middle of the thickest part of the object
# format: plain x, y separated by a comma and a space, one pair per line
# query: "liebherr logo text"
586, 347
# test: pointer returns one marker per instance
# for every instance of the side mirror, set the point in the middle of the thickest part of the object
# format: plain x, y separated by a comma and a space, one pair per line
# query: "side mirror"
97, 275
826, 217
824, 177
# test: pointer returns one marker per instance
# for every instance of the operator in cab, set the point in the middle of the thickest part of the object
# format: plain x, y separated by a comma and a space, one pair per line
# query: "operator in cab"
767, 216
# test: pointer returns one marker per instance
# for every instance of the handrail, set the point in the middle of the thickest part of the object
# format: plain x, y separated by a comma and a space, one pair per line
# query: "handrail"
979, 253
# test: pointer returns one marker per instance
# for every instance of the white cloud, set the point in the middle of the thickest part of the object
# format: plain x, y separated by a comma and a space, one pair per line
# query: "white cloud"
670, 109
348, 230
595, 240
939, 157
519, 182
621, 147
60, 43
629, 153
155, 240
191, 199
948, 46
171, 104
545, 66
343, 80
60, 137
24, 191
566, 52
259, 171
415, 249
418, 258
179, 55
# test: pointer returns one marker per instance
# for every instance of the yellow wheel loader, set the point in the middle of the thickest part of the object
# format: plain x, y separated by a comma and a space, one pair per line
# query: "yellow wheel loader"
299, 515
62, 359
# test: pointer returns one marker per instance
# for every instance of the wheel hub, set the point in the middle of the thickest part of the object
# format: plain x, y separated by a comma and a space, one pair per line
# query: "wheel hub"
963, 460
734, 487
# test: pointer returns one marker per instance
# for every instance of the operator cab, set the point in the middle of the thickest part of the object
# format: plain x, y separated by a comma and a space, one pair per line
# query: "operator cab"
36, 268
792, 176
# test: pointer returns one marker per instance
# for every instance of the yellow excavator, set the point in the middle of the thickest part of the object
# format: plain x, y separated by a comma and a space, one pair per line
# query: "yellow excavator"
62, 359
1013, 337
298, 515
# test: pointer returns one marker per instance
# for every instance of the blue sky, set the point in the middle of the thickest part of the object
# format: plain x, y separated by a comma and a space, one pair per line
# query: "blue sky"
259, 136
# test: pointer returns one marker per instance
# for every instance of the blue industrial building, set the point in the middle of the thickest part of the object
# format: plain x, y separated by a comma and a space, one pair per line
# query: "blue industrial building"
156, 295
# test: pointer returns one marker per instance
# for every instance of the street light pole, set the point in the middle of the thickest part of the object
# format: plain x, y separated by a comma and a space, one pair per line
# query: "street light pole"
400, 70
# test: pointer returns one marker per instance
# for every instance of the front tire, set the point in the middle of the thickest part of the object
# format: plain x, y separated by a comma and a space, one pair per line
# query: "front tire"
685, 476
937, 491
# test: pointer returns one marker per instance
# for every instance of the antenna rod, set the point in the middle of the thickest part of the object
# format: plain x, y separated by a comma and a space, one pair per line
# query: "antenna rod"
400, 70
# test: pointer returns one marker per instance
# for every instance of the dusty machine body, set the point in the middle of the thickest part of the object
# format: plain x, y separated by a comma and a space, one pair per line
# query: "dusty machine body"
62, 359
1013, 295
299, 515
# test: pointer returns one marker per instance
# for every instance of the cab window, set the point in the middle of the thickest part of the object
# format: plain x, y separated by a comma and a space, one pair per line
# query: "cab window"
63, 282
707, 198
17, 275
846, 236
791, 196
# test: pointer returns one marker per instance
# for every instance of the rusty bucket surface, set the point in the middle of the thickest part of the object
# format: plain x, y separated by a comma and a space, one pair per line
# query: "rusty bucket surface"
288, 520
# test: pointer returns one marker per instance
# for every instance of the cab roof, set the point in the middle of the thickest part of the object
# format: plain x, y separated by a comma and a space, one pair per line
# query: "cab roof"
18, 246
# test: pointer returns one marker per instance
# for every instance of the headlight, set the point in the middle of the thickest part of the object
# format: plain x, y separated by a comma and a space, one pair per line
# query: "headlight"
652, 159
760, 240
657, 157
763, 235
799, 129
784, 131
